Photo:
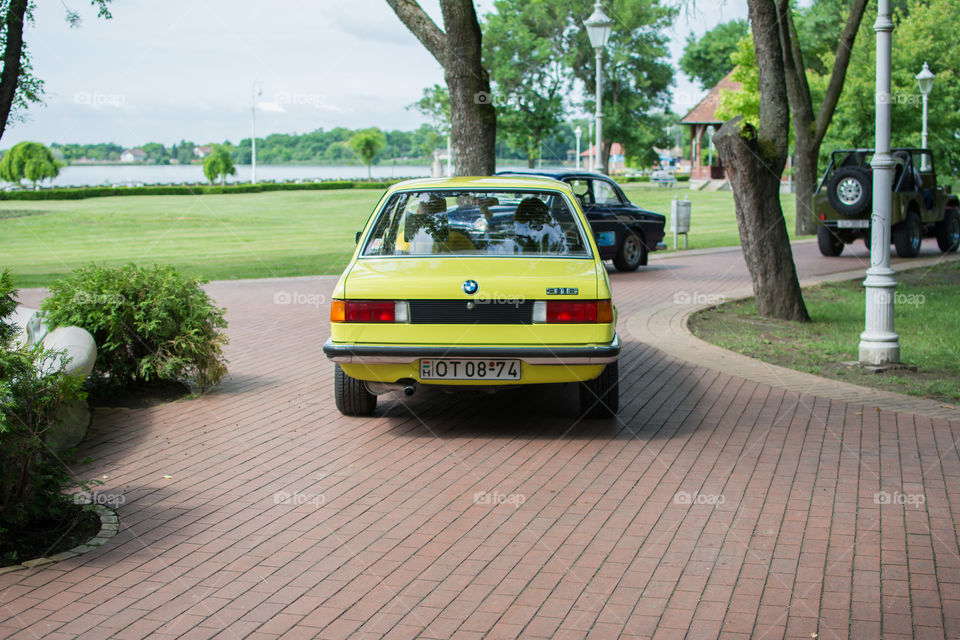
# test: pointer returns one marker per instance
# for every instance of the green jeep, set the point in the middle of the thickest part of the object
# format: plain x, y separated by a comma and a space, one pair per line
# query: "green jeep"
844, 199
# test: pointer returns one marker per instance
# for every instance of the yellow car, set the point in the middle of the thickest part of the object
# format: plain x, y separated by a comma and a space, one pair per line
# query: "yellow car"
466, 283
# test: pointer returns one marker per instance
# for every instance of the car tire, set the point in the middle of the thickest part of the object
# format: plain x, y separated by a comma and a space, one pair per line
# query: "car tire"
631, 254
908, 236
830, 245
351, 395
600, 397
948, 231
849, 191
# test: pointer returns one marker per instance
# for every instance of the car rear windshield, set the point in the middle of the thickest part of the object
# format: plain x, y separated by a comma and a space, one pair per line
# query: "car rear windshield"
474, 223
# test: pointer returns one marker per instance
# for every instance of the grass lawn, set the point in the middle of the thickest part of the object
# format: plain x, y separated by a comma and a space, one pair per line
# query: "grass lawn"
926, 306
257, 235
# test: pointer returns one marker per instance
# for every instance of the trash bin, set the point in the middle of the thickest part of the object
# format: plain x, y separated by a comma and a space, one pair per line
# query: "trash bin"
680, 219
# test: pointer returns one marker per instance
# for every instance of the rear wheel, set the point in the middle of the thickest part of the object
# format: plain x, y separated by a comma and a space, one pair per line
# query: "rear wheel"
849, 191
632, 253
352, 396
948, 231
908, 235
829, 243
600, 397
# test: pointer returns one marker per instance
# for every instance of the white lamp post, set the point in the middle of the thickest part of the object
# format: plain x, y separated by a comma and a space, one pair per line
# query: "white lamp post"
598, 27
879, 343
710, 131
255, 92
925, 80
578, 132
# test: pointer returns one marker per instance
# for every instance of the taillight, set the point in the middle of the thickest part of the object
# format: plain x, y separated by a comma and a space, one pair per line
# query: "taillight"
573, 311
368, 311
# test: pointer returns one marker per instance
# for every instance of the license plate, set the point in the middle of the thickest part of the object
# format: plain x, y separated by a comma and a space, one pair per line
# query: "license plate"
446, 369
853, 224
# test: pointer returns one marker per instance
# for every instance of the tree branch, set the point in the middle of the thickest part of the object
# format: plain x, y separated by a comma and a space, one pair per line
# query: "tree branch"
12, 53
765, 18
840, 64
413, 16
794, 67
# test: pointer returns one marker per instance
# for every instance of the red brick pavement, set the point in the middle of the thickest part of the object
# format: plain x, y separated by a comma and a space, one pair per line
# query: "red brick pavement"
712, 507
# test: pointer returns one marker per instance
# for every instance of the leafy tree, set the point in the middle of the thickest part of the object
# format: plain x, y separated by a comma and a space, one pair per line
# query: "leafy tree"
30, 160
707, 60
218, 164
368, 144
746, 101
458, 49
18, 86
435, 104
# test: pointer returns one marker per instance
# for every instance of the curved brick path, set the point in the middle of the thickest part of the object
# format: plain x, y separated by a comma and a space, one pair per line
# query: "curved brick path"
716, 505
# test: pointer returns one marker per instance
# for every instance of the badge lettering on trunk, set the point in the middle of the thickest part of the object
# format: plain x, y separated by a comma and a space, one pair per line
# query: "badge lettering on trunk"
562, 291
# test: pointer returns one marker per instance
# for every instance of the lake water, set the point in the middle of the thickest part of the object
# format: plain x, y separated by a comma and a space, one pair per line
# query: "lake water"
94, 175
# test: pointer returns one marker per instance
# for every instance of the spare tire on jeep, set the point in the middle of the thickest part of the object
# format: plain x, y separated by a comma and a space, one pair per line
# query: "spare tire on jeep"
850, 191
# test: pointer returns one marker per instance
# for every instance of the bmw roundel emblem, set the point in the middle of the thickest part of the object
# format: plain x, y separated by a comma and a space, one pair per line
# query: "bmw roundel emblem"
470, 287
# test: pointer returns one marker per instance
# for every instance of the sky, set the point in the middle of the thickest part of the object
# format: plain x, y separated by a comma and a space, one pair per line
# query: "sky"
187, 69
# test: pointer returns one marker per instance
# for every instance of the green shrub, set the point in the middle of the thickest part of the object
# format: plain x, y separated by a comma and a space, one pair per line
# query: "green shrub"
150, 324
31, 477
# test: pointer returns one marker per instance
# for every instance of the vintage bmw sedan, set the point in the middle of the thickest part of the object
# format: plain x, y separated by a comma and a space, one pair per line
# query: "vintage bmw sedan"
519, 296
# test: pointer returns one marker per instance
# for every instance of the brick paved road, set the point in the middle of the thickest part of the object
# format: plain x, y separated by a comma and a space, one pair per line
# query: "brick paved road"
714, 505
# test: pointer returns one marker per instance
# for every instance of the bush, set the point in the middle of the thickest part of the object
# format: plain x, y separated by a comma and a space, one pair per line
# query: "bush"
150, 324
31, 477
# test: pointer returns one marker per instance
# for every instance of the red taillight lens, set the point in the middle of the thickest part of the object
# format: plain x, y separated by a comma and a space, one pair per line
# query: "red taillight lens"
577, 312
367, 311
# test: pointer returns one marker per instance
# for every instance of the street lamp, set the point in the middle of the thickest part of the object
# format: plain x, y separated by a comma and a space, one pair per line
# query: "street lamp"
598, 27
879, 343
255, 92
925, 80
578, 132
710, 131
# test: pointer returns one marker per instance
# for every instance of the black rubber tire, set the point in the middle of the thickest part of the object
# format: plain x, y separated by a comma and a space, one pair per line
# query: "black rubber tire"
830, 245
948, 231
631, 254
850, 191
600, 397
351, 395
908, 236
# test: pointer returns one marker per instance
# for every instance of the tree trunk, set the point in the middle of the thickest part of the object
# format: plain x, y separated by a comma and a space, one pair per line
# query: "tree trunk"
805, 179
473, 119
13, 29
754, 159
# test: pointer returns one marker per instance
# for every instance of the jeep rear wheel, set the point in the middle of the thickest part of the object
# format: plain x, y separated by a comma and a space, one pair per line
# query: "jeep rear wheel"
829, 243
948, 231
908, 235
849, 191
351, 395
600, 397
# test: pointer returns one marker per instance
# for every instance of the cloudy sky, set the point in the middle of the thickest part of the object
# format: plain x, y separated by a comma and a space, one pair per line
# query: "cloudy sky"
185, 69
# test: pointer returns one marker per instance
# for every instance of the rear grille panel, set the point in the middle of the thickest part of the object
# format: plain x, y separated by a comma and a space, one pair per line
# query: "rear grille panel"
458, 312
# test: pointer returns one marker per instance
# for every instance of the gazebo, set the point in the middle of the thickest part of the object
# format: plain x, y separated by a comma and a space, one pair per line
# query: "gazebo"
698, 119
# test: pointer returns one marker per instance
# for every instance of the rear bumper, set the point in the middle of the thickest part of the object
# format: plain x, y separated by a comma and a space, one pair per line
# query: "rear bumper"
405, 354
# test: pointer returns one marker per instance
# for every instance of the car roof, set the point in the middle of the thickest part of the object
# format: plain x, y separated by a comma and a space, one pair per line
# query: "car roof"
556, 174
483, 183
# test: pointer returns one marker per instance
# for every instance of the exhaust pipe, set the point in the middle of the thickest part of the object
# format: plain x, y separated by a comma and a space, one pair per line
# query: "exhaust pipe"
406, 387
409, 390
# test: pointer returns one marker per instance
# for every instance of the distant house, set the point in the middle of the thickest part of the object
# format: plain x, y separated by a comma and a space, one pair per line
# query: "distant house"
202, 152
699, 119
616, 158
133, 155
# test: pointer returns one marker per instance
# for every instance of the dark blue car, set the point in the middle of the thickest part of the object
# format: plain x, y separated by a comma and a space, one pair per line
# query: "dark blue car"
625, 233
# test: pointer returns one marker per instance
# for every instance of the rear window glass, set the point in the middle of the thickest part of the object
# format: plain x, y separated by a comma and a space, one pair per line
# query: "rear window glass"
473, 223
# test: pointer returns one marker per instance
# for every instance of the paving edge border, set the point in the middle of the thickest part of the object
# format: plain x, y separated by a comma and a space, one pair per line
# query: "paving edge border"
665, 327
109, 527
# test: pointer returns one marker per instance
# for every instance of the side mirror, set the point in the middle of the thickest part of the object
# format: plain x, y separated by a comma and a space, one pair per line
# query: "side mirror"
356, 239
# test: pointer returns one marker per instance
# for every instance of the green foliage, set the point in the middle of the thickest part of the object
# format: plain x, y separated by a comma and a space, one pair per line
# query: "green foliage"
149, 323
746, 101
218, 164
368, 144
31, 478
435, 104
30, 160
708, 59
